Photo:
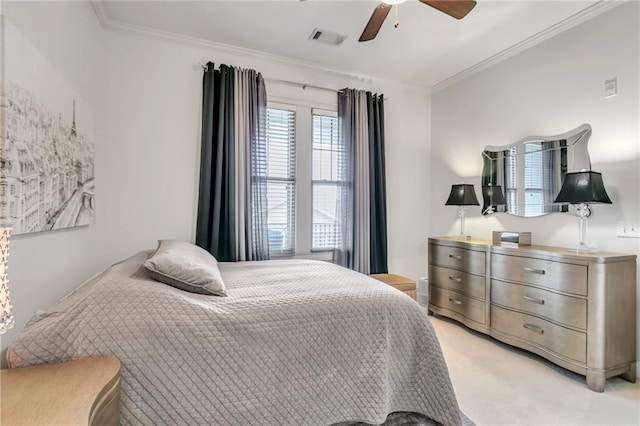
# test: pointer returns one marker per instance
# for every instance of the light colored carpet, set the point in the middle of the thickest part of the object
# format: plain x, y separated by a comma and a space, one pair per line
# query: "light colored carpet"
497, 384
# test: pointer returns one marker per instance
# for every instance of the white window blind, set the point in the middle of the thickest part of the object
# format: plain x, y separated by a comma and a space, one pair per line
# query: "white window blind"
533, 166
511, 180
533, 169
281, 180
327, 180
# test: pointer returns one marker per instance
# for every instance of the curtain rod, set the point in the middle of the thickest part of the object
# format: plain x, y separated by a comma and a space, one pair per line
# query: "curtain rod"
304, 86
293, 83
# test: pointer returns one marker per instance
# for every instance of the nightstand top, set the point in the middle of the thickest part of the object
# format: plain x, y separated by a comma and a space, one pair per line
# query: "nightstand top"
64, 393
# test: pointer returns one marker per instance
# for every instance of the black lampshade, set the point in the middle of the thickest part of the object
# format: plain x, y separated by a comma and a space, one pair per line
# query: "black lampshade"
493, 195
583, 187
462, 195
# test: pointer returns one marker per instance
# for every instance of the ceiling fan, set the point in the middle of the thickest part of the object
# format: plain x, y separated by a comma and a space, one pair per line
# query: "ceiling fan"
455, 8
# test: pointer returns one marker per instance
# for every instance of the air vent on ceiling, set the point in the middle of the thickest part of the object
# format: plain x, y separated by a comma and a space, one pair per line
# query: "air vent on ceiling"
327, 37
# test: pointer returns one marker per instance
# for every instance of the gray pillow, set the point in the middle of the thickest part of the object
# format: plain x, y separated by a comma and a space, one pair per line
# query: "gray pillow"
187, 267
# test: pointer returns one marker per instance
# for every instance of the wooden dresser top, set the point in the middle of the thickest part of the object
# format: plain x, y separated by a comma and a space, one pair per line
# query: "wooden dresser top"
64, 393
549, 252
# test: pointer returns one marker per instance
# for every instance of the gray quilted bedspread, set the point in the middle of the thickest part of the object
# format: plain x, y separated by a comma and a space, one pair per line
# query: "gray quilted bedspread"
297, 342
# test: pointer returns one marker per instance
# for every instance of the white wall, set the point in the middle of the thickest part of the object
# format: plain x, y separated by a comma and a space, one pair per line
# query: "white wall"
546, 90
153, 135
146, 94
44, 267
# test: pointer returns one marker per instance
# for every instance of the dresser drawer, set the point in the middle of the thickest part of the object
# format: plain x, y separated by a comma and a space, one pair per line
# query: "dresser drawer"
465, 306
470, 285
559, 276
562, 341
458, 258
568, 310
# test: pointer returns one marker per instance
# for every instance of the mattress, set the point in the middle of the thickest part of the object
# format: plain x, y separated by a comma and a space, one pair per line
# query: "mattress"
296, 342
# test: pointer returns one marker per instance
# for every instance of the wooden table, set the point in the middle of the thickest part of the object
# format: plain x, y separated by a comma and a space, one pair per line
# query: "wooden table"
80, 392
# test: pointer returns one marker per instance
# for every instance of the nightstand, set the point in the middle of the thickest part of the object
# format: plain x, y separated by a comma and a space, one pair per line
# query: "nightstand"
79, 392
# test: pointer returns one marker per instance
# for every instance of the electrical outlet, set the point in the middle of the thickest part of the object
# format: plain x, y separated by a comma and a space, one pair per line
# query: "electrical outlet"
628, 230
611, 88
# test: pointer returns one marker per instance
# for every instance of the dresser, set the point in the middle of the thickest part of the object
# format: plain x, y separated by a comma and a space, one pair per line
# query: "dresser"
576, 310
458, 280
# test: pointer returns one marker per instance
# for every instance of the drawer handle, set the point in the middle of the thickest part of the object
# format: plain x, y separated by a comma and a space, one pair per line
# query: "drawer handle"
534, 300
535, 271
453, 256
456, 301
456, 279
533, 328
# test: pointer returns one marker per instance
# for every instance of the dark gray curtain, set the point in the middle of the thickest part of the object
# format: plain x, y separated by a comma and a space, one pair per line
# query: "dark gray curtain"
377, 185
257, 113
343, 250
216, 207
493, 175
554, 163
232, 212
361, 217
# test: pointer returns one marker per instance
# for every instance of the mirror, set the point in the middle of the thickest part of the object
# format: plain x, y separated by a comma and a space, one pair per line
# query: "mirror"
524, 178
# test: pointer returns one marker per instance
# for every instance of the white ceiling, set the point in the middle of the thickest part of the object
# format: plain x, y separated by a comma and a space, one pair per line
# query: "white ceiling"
427, 48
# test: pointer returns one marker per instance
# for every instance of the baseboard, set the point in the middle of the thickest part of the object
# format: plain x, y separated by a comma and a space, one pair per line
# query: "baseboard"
423, 291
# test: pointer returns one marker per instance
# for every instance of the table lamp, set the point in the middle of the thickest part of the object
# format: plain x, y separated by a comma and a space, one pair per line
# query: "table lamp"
583, 188
6, 310
462, 195
493, 196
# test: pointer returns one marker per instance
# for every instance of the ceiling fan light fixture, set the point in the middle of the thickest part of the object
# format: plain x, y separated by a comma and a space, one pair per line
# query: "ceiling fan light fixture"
457, 9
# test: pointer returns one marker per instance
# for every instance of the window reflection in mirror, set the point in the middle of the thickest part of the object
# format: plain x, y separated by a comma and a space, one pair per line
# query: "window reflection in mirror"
524, 178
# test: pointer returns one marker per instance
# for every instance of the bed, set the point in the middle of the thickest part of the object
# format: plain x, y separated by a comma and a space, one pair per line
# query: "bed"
295, 342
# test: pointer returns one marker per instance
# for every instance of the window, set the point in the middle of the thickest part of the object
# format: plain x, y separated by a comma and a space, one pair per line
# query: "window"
281, 180
304, 178
326, 181
533, 186
511, 180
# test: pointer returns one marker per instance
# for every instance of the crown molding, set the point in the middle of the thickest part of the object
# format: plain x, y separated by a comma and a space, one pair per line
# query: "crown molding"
111, 24
570, 22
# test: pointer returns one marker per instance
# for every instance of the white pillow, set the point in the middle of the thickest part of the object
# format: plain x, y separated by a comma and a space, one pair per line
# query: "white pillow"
187, 267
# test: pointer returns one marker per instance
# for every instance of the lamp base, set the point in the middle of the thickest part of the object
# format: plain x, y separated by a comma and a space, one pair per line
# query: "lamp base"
584, 249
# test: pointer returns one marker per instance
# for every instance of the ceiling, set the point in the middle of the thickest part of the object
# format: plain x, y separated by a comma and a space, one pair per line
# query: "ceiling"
427, 47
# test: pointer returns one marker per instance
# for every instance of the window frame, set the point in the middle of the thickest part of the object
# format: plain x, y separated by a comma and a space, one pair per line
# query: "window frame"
304, 157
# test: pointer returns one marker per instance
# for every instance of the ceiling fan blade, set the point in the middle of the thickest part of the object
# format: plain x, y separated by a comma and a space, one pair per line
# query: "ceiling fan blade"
456, 8
375, 22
